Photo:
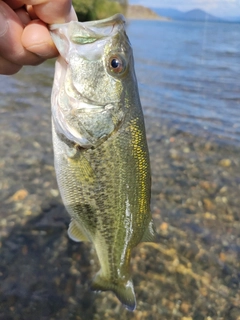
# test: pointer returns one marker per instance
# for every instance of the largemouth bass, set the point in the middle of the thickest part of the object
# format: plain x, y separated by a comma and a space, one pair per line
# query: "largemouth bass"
100, 150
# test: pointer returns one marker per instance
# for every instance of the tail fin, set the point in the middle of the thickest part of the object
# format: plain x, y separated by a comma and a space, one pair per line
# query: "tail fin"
123, 291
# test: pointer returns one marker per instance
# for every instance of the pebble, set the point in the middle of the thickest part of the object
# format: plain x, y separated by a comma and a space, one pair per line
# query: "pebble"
19, 195
185, 307
225, 163
186, 150
223, 189
209, 216
224, 199
174, 154
164, 226
208, 204
54, 192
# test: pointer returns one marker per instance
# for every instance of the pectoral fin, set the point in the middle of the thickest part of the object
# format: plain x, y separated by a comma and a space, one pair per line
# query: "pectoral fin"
75, 233
149, 234
77, 160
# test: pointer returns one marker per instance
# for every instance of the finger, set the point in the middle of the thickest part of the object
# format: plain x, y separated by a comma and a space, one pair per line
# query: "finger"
53, 11
23, 16
7, 67
11, 47
31, 12
15, 4
36, 38
49, 11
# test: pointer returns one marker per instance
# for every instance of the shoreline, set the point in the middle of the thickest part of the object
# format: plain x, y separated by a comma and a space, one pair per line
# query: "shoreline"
148, 19
138, 12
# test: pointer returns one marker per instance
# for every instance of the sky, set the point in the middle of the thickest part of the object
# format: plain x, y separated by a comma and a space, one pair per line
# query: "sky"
220, 8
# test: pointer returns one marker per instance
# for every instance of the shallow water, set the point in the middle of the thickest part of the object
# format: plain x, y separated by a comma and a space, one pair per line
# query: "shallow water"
189, 90
189, 75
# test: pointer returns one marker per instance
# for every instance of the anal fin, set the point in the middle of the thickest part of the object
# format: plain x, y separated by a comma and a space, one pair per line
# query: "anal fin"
150, 233
75, 233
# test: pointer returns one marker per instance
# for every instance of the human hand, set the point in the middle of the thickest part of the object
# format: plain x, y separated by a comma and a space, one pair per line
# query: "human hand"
24, 35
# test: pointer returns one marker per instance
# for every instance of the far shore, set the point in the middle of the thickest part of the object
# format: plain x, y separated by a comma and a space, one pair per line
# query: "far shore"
137, 12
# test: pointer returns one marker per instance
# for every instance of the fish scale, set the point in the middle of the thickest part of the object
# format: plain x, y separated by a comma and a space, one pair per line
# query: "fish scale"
103, 175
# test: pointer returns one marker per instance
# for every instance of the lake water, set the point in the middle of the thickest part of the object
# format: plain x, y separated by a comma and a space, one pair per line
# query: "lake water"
188, 74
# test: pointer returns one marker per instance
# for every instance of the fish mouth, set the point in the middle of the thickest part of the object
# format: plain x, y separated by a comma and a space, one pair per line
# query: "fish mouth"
67, 35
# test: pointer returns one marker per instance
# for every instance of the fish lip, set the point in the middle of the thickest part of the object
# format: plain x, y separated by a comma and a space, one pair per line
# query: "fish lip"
115, 19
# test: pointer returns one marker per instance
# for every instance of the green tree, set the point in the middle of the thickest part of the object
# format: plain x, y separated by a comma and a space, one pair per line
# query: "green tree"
84, 9
98, 9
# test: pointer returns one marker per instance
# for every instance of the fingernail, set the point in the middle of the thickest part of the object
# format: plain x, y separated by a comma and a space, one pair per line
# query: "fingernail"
3, 23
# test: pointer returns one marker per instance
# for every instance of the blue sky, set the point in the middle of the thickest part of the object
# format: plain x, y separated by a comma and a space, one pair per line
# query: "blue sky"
220, 8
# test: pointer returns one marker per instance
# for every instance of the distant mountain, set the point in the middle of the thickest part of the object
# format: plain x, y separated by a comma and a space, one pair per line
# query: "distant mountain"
198, 15
168, 12
192, 15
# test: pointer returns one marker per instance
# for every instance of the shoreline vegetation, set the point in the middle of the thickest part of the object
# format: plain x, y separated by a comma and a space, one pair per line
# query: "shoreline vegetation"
137, 12
100, 9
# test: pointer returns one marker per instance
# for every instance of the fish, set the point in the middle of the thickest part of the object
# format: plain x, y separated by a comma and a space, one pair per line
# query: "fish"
101, 156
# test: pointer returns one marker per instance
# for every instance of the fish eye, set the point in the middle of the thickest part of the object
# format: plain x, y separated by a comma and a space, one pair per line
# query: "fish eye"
117, 64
